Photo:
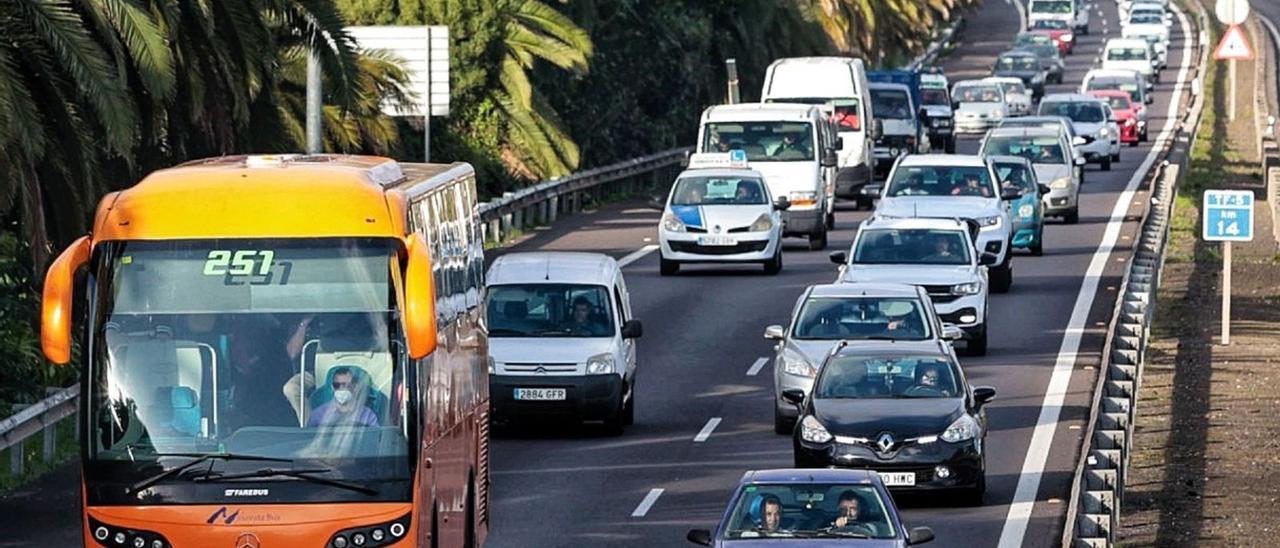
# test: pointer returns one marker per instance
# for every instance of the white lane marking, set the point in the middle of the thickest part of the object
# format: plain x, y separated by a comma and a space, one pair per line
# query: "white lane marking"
706, 431
637, 255
755, 367
1015, 524
647, 503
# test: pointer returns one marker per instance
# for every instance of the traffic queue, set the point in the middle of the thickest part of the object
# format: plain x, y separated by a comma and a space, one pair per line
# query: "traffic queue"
867, 381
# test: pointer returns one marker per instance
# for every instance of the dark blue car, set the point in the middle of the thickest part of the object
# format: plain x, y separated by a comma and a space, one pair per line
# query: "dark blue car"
813, 509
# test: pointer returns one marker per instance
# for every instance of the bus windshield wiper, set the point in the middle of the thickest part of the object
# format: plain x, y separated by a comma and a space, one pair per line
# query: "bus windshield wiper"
305, 474
197, 459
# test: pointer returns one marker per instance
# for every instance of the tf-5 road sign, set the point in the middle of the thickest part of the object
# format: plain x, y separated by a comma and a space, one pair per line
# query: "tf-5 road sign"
1228, 215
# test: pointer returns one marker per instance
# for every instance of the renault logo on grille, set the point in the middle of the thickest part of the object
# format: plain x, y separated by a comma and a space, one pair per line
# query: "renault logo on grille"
248, 540
885, 442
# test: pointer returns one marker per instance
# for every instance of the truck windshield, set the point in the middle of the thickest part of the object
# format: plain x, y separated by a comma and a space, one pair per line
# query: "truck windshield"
549, 310
934, 96
286, 349
893, 104
1052, 6
762, 141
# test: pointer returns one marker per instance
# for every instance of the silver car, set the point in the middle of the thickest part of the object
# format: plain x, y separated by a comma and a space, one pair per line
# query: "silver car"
1092, 117
1050, 156
827, 314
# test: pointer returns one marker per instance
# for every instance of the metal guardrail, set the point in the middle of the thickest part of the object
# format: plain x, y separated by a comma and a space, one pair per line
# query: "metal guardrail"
542, 203
43, 416
1097, 491
939, 44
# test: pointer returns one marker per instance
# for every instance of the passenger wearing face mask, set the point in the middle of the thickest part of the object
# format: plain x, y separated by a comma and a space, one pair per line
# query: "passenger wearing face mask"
347, 407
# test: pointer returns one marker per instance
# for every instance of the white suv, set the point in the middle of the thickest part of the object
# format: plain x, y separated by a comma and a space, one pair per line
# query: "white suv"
935, 254
955, 186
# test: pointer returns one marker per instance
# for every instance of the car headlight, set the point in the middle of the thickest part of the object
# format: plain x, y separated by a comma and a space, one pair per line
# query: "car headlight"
763, 223
812, 431
1026, 211
1130, 122
971, 288
493, 365
672, 223
996, 113
795, 364
1068, 37
600, 364
803, 199
989, 222
894, 151
1062, 182
963, 429
1103, 132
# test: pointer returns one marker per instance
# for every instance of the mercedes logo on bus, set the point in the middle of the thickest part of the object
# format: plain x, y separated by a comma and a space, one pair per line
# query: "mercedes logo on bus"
248, 540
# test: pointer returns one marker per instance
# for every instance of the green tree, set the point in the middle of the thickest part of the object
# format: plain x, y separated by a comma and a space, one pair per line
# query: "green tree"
876, 28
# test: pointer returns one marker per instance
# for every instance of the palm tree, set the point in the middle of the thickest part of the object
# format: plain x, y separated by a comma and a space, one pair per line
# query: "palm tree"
874, 28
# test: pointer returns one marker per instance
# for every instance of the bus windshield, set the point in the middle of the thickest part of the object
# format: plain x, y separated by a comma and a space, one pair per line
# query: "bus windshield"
286, 353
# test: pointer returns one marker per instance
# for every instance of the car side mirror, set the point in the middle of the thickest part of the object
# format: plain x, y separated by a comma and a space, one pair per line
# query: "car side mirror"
983, 395
1081, 160
632, 329
840, 143
656, 202
1079, 141
877, 129
774, 333
1010, 194
58, 300
1113, 119
1097, 59
1044, 189
701, 537
829, 158
782, 203
923, 114
919, 535
951, 332
838, 257
684, 160
872, 191
794, 396
1168, 23
988, 259
1149, 99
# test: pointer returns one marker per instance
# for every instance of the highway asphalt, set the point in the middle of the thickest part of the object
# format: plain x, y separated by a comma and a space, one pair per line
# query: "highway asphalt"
562, 487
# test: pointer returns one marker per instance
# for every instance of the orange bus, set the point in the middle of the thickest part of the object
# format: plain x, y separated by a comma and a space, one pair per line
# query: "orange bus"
281, 351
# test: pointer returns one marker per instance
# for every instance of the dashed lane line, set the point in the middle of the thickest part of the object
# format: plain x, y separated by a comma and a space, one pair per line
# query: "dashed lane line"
706, 431
637, 255
647, 503
755, 367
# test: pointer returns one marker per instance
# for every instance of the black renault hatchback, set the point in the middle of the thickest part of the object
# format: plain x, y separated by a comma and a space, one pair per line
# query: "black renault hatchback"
907, 414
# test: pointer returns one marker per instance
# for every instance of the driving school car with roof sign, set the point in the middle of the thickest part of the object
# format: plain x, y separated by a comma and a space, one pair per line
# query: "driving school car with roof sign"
721, 211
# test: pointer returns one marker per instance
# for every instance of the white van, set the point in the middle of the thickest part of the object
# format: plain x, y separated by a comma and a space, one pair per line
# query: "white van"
794, 147
1134, 54
561, 338
1062, 10
841, 84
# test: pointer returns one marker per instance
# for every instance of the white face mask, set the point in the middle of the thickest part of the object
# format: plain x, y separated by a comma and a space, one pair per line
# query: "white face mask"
342, 396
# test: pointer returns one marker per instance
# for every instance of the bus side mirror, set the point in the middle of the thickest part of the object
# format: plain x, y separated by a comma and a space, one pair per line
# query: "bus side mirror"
56, 302
419, 299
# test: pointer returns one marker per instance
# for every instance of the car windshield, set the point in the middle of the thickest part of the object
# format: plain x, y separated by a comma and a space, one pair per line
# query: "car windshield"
286, 349
1043, 51
859, 377
1017, 62
1039, 150
1032, 38
975, 93
549, 310
1076, 111
696, 191
911, 246
762, 141
1052, 6
1014, 87
1146, 18
1049, 24
1127, 54
891, 104
1117, 102
1128, 86
835, 318
941, 181
1017, 174
934, 96
809, 510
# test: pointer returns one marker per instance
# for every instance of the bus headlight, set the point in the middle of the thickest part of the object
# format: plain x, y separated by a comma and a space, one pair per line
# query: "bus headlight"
371, 536
115, 537
600, 364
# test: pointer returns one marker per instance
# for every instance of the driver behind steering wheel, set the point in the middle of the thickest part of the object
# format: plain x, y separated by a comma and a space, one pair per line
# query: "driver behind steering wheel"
928, 381
848, 515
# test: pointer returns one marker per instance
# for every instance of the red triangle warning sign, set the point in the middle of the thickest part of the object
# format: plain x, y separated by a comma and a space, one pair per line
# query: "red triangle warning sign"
1234, 45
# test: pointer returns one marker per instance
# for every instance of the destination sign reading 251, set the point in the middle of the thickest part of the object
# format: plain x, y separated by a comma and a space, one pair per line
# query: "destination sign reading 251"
252, 266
